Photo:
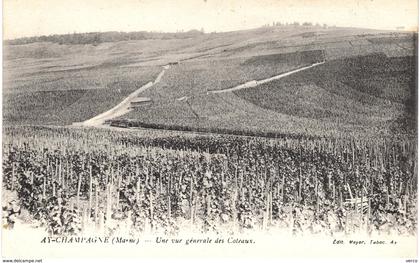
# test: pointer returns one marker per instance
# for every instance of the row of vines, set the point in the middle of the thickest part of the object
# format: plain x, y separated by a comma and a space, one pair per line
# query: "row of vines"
73, 181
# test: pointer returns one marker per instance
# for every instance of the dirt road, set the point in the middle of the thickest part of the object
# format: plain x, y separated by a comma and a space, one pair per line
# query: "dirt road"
123, 107
254, 83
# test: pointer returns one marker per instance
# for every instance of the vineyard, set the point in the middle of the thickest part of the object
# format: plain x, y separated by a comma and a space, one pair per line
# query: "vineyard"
367, 91
366, 94
64, 97
72, 181
223, 73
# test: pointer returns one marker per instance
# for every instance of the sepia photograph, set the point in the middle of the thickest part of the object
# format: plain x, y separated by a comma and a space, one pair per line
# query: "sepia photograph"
207, 128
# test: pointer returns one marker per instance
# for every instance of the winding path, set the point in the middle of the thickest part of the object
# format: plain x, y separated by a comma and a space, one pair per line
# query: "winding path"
123, 107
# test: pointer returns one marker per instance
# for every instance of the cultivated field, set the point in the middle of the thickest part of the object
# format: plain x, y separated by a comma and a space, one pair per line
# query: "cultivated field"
61, 98
320, 137
73, 181
66, 82
371, 91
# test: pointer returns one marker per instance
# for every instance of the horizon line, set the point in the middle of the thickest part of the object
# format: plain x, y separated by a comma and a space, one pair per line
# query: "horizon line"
289, 24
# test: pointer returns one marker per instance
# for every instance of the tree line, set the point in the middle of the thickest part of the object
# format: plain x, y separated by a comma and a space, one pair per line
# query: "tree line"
96, 38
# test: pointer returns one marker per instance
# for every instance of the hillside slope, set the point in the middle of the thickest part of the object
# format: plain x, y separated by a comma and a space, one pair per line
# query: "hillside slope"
366, 84
371, 91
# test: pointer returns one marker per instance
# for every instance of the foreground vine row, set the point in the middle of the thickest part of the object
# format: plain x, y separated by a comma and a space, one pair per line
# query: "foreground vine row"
73, 181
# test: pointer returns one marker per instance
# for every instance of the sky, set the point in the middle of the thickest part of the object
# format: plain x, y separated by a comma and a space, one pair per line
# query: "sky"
23, 18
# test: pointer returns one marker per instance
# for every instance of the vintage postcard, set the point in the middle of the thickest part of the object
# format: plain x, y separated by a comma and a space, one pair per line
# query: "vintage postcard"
209, 128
